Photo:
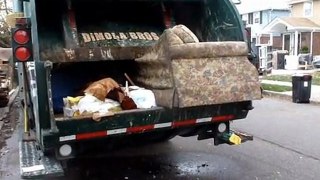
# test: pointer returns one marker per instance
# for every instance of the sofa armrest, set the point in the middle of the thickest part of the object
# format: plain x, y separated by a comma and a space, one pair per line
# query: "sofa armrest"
208, 50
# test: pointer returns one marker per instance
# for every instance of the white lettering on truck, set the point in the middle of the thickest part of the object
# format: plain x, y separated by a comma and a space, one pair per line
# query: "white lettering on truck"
101, 36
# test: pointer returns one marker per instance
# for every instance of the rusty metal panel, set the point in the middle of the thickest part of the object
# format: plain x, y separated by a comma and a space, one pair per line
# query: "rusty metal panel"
99, 30
93, 54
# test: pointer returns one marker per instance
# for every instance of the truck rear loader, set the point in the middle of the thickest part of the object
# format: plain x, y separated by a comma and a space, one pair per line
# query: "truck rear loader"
191, 56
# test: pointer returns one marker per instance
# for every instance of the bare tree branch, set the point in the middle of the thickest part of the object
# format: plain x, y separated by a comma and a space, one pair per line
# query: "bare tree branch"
6, 6
5, 37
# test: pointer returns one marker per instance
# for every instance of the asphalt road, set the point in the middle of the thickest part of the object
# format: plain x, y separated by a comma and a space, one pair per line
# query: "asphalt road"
286, 146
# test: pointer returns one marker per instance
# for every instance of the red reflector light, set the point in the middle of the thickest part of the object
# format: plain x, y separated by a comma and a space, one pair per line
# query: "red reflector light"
22, 53
140, 128
184, 123
91, 135
21, 37
223, 118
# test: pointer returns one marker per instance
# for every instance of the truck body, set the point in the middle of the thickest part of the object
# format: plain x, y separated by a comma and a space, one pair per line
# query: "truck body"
191, 54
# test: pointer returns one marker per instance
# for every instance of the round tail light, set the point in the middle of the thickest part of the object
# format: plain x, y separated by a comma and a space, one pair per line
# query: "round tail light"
21, 37
22, 53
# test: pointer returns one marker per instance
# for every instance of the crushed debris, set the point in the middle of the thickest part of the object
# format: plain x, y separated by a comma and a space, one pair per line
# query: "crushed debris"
9, 124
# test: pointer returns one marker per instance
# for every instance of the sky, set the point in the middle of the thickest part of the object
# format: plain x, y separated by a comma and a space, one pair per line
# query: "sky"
251, 5
2, 12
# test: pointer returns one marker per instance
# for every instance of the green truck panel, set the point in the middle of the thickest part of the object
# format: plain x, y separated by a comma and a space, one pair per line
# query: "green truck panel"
191, 54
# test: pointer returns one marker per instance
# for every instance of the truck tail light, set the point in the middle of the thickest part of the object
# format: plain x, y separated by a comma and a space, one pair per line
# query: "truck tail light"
22, 54
22, 41
21, 37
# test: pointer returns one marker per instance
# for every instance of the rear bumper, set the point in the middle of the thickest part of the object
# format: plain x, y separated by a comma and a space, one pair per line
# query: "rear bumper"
71, 131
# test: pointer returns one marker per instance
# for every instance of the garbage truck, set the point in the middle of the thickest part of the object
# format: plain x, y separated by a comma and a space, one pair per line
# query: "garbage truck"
101, 72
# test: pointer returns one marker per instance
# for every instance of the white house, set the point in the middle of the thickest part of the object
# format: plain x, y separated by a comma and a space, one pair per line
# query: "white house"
258, 13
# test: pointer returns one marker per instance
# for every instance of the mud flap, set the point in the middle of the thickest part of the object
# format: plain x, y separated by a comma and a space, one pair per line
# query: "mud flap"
34, 165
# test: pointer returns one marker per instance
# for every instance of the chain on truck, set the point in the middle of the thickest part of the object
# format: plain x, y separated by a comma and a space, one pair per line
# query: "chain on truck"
103, 72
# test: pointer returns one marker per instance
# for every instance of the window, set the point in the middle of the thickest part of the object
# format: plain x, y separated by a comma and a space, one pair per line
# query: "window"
250, 18
261, 17
256, 17
307, 9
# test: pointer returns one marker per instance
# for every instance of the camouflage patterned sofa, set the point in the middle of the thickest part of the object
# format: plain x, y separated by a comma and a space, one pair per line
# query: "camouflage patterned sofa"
184, 72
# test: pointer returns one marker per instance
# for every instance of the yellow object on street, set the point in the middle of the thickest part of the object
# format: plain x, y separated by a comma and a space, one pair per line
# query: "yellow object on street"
235, 139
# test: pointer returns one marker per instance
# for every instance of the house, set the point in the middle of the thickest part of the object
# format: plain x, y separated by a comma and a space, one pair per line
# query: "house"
257, 14
301, 31
5, 53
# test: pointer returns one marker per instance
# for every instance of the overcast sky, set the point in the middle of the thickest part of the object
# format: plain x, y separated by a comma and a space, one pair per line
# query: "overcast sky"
257, 5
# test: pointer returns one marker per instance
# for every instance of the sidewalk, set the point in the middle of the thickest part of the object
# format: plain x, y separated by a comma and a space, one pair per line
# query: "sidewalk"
291, 72
315, 90
5, 110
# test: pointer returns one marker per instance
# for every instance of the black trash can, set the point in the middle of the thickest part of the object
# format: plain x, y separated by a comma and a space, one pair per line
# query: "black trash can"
301, 88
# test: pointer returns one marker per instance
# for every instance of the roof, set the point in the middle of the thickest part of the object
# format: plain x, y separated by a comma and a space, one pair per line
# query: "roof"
291, 24
249, 6
298, 1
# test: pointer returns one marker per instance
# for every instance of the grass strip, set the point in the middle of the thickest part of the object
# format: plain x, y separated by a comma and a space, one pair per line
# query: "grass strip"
288, 78
276, 88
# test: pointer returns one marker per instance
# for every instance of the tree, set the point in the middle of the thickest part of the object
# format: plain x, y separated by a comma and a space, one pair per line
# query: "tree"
5, 38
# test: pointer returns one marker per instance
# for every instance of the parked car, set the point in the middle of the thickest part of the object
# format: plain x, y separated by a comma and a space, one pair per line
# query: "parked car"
316, 62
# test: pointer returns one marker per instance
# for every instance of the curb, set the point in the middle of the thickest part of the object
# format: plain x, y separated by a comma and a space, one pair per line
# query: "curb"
13, 94
286, 97
5, 110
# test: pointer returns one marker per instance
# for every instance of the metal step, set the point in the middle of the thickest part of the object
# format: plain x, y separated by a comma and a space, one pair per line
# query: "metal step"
34, 165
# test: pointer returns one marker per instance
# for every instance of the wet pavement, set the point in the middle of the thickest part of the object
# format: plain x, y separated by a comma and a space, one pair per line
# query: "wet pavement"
285, 147
9, 155
7, 125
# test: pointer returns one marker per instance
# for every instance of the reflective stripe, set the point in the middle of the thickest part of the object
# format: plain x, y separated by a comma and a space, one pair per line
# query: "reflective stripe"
223, 118
140, 128
32, 168
184, 123
67, 138
162, 125
117, 131
202, 120
91, 135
